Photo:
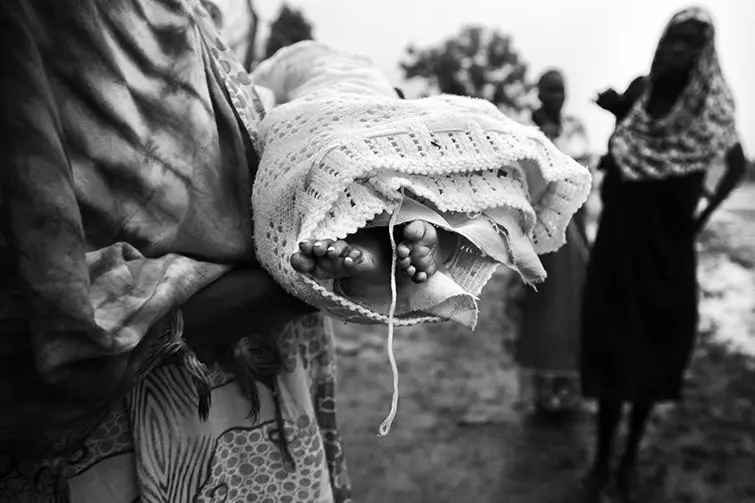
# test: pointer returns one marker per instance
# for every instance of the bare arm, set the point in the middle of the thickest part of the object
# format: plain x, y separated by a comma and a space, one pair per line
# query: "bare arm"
240, 303
736, 165
620, 104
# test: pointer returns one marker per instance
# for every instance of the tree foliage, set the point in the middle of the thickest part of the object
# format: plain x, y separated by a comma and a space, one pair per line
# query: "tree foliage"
477, 62
290, 27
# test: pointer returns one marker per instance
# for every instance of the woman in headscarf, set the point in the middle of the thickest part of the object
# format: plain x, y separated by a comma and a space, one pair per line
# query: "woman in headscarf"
547, 347
640, 303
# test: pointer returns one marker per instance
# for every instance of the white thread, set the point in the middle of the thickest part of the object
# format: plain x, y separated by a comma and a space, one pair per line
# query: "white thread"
385, 426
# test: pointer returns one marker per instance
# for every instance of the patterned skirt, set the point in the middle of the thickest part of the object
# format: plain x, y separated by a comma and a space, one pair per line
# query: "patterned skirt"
154, 448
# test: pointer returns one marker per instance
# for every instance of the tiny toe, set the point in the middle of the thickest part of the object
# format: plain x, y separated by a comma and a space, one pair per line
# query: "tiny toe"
404, 265
415, 231
410, 271
402, 250
420, 277
336, 249
431, 233
302, 263
306, 247
320, 247
356, 255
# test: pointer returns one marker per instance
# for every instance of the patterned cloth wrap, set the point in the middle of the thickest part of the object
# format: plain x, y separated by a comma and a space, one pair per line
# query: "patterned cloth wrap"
698, 131
112, 215
341, 149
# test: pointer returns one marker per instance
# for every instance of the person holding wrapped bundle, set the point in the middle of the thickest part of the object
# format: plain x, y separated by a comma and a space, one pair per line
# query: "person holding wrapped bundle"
146, 355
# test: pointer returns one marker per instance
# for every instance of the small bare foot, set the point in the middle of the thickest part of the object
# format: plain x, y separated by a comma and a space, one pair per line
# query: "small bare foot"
365, 256
419, 254
329, 259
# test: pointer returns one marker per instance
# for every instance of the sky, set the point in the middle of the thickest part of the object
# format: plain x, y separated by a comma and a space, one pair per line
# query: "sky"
597, 43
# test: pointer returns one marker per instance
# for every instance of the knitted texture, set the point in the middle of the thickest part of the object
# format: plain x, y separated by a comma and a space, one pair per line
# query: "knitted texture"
340, 149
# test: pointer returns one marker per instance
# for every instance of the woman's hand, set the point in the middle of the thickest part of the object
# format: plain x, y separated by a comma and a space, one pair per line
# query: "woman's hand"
736, 165
242, 302
608, 99
702, 219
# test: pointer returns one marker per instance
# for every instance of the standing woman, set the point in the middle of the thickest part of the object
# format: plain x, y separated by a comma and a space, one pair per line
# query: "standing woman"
640, 305
547, 348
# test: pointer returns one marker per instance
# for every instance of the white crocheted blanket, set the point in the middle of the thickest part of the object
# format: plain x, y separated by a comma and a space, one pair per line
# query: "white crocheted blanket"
340, 148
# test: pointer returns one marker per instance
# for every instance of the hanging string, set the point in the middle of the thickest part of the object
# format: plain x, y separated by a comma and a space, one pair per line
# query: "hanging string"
385, 426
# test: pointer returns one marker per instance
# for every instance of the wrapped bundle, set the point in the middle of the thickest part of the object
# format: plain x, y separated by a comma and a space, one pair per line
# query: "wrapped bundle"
343, 153
341, 150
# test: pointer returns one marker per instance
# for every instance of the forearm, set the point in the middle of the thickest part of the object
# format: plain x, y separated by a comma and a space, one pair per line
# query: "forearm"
622, 108
732, 177
240, 303
724, 189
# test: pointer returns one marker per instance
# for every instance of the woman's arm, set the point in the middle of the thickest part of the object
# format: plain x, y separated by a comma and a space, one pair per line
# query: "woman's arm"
736, 165
631, 95
620, 104
240, 303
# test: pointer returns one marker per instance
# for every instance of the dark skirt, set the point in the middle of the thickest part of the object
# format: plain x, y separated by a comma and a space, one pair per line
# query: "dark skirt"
639, 311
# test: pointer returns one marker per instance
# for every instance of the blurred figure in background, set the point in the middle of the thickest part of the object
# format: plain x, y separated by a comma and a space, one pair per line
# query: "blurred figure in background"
640, 304
547, 347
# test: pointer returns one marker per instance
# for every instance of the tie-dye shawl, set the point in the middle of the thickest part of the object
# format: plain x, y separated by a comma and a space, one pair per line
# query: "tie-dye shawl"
125, 188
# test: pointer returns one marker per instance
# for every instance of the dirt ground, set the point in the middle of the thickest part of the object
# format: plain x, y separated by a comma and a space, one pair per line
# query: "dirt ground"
460, 436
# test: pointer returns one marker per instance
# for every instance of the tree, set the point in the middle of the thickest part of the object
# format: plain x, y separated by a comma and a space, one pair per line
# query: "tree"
477, 62
290, 27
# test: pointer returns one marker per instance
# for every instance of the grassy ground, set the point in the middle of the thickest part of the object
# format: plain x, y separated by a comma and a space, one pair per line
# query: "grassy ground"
459, 436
